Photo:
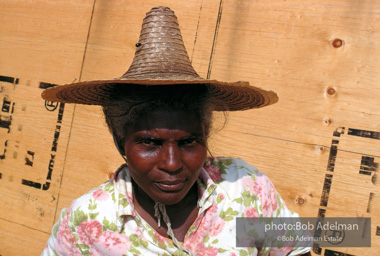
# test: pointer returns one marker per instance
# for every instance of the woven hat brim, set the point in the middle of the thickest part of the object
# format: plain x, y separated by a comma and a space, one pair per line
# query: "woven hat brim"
235, 96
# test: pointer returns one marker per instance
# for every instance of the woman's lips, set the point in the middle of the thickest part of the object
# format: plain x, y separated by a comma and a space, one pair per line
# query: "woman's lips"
170, 186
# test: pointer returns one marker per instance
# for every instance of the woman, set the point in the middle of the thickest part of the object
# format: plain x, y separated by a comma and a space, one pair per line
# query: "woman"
169, 198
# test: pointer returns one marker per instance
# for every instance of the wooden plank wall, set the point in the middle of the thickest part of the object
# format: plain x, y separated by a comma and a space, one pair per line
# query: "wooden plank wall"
319, 145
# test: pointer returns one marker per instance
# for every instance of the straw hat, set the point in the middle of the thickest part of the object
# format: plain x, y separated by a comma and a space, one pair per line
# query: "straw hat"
161, 59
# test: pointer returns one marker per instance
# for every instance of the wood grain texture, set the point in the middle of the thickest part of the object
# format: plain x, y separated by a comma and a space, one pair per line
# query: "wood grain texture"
41, 43
287, 46
319, 144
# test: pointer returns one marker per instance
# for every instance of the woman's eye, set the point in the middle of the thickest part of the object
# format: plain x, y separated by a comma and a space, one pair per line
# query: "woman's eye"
149, 142
188, 142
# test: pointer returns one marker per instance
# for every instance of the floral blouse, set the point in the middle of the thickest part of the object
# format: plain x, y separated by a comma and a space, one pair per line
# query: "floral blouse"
104, 222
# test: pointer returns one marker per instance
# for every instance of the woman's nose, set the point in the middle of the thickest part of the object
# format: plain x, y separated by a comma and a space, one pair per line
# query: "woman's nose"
170, 158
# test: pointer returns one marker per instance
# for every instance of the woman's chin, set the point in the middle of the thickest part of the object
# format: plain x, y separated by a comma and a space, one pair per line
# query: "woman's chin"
170, 199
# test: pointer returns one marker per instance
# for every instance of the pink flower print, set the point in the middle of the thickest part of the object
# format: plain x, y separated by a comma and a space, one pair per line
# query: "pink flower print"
94, 251
213, 171
208, 215
64, 244
66, 249
250, 185
247, 241
264, 187
160, 239
266, 208
138, 232
250, 212
280, 251
113, 244
195, 240
130, 197
273, 198
246, 183
100, 195
232, 254
217, 226
89, 231
64, 231
221, 196
207, 251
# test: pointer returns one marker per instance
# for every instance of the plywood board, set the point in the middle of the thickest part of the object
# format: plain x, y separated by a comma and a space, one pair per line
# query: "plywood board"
38, 47
318, 56
319, 145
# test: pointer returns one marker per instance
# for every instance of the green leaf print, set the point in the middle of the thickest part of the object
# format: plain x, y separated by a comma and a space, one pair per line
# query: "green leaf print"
238, 200
93, 215
218, 200
162, 245
133, 237
136, 240
151, 234
134, 250
246, 193
145, 243
243, 252
280, 204
92, 206
83, 247
210, 189
109, 187
251, 250
123, 202
109, 225
248, 198
228, 215
75, 236
223, 164
229, 218
235, 213
79, 217
247, 201
253, 233
179, 253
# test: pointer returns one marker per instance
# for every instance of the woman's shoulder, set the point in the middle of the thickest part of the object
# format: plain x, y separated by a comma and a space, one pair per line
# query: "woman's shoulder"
246, 188
98, 203
229, 169
238, 178
102, 194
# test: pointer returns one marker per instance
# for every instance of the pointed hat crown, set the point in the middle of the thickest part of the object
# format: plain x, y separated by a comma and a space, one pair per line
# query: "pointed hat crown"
160, 52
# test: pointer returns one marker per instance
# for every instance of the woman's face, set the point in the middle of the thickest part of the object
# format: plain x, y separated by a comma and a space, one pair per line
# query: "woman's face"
166, 151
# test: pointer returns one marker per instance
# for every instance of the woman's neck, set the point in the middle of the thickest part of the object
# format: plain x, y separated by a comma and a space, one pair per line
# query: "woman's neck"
182, 215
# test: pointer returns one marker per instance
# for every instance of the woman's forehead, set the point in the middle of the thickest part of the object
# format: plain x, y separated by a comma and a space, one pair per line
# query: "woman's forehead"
169, 119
